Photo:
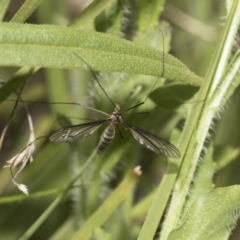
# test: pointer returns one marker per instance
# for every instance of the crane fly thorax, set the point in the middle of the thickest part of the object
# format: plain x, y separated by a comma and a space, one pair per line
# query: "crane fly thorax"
116, 116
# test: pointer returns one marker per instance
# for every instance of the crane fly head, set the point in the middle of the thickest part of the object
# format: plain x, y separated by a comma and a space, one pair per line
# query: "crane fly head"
116, 115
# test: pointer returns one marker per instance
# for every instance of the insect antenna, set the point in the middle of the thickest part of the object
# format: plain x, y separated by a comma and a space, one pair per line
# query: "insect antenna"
162, 74
94, 75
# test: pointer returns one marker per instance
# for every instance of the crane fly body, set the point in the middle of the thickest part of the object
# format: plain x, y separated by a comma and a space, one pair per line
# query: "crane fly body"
109, 133
150, 141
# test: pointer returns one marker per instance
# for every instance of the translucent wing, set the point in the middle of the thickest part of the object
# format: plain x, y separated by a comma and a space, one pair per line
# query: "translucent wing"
75, 132
154, 143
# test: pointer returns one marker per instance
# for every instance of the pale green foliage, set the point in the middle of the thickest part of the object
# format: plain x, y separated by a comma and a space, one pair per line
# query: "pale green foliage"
211, 216
121, 40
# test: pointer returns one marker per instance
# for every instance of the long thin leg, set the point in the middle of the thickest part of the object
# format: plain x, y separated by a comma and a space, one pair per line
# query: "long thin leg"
141, 103
94, 75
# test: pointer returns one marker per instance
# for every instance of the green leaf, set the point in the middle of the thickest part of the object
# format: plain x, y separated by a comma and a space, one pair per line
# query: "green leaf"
172, 96
54, 47
211, 217
100, 234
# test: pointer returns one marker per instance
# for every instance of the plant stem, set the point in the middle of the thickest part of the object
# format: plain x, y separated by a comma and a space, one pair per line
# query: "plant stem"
200, 118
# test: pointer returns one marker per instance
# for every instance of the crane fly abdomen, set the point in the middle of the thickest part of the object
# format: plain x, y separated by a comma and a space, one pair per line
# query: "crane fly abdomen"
106, 138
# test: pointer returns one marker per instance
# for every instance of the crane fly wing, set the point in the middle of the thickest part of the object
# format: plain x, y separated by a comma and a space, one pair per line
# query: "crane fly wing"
76, 132
154, 143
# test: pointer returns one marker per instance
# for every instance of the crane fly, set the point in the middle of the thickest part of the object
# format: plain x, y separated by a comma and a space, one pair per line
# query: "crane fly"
77, 132
80, 131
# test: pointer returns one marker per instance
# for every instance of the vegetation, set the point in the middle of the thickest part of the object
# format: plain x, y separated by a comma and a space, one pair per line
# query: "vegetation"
75, 193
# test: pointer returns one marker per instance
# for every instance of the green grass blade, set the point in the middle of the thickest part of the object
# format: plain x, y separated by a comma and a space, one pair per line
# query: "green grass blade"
106, 209
28, 7
57, 200
21, 197
200, 119
41, 219
4, 4
156, 10
158, 204
89, 13
100, 234
142, 207
18, 79
225, 155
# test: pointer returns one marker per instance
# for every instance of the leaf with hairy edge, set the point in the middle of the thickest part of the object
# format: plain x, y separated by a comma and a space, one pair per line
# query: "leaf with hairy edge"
211, 217
172, 96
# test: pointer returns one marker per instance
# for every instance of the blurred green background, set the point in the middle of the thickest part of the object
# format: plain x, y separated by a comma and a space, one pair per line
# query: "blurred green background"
191, 36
